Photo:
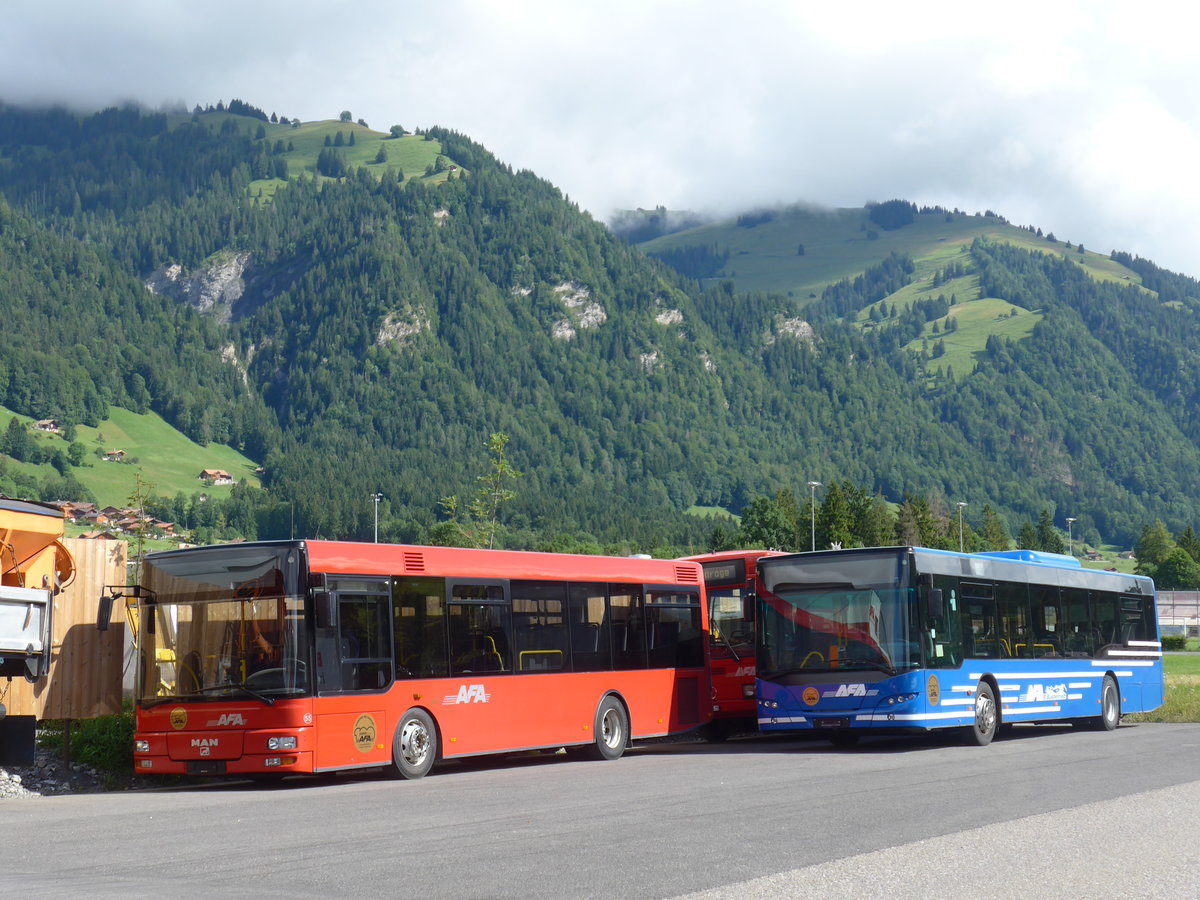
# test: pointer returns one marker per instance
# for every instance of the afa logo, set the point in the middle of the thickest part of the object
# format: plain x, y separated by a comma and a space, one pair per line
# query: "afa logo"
227, 720
364, 733
1042, 692
467, 693
851, 690
745, 672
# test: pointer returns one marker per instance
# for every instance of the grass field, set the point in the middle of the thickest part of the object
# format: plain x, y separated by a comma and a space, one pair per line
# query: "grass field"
410, 154
1182, 672
174, 460
838, 244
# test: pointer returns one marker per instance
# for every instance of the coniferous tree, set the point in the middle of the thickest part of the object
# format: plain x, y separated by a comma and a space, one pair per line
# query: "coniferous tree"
994, 534
1027, 537
1190, 542
1153, 546
1048, 537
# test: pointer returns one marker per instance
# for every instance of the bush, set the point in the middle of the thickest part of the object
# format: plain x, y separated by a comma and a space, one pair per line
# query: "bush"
1174, 642
104, 743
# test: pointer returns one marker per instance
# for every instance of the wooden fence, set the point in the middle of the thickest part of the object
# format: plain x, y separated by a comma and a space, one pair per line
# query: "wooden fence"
86, 664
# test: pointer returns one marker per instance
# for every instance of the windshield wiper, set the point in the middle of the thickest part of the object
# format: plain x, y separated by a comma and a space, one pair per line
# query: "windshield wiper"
866, 664
240, 688
725, 641
803, 670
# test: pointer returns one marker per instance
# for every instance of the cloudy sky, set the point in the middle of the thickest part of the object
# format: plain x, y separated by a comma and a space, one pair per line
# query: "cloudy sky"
1082, 118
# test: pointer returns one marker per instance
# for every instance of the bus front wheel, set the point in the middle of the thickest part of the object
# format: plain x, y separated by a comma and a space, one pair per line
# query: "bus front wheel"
987, 716
414, 748
611, 730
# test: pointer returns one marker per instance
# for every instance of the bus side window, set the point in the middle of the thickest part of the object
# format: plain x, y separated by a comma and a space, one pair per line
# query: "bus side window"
479, 638
419, 610
590, 627
673, 627
628, 627
364, 642
539, 625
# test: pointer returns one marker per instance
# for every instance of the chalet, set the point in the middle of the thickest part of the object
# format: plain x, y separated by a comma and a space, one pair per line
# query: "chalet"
114, 455
216, 476
50, 425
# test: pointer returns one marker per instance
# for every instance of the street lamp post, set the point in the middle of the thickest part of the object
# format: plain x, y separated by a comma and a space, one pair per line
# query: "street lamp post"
377, 498
960, 505
1070, 535
812, 509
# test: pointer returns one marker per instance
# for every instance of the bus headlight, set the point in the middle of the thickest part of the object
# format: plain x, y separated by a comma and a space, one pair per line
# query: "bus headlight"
769, 704
141, 746
282, 743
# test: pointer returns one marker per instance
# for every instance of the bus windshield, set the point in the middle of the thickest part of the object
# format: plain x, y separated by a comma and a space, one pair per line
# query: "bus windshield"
816, 619
230, 629
731, 622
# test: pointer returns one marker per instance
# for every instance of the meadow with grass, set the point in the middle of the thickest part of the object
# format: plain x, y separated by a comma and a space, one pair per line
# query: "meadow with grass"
1182, 673
167, 461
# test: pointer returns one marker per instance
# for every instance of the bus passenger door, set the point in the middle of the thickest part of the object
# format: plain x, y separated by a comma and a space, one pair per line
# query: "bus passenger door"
354, 670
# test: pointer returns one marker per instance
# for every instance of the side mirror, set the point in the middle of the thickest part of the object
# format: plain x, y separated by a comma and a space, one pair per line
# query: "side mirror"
104, 612
323, 612
936, 603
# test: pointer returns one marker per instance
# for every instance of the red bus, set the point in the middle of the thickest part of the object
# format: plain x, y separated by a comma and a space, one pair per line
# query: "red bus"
315, 656
731, 583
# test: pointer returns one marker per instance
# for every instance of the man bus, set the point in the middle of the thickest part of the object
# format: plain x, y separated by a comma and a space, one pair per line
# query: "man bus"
315, 656
853, 642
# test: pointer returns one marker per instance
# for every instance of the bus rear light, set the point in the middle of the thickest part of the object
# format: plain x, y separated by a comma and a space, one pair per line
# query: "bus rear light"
282, 743
140, 746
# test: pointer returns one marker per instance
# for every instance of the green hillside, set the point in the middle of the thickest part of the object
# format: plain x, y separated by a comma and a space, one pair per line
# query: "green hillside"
842, 243
168, 462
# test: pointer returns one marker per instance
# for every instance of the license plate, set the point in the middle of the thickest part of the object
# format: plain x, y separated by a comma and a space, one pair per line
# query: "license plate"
206, 767
831, 723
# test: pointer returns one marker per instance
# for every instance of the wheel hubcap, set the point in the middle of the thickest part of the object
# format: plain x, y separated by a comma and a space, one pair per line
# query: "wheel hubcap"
414, 743
985, 713
610, 728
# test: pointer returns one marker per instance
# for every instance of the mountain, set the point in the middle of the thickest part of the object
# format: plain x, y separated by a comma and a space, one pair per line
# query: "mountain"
366, 331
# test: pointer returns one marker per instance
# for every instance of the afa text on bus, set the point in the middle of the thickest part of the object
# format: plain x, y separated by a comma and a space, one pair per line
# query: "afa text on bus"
861, 641
314, 656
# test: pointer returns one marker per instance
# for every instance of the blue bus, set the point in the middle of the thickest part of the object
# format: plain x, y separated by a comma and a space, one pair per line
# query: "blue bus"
910, 639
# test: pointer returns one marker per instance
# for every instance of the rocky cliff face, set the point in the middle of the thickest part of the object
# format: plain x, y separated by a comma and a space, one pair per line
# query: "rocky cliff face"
212, 289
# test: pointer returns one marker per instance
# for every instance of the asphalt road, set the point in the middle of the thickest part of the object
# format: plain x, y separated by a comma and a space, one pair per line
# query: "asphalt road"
1048, 812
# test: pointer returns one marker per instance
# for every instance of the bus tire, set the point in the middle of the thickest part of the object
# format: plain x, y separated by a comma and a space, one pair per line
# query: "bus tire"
415, 746
987, 716
611, 730
1110, 706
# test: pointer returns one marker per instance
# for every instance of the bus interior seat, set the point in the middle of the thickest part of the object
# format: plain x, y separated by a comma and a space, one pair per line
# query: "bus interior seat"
585, 637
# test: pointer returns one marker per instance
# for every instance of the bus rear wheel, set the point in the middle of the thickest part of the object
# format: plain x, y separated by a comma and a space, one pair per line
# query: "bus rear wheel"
1110, 706
987, 717
611, 730
414, 748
